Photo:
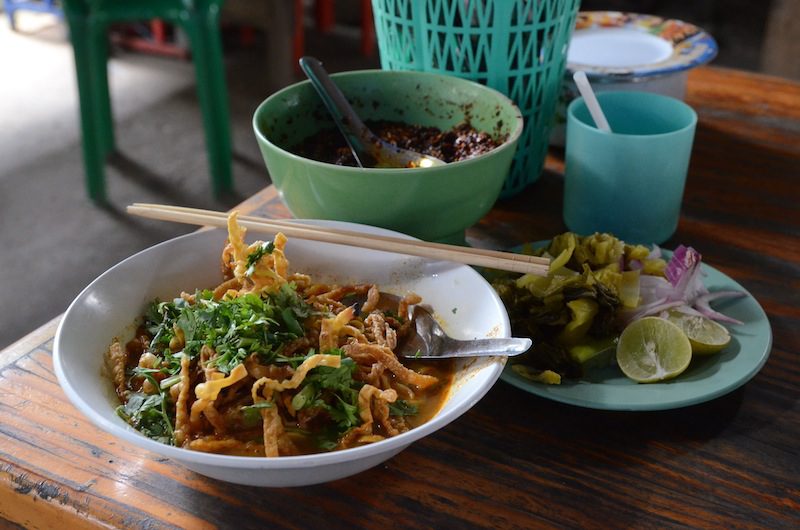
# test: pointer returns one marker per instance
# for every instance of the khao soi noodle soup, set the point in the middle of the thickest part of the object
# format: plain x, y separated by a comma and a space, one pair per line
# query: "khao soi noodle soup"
271, 363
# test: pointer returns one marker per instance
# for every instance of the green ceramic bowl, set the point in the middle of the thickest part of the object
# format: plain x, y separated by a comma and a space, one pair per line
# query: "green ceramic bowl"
436, 203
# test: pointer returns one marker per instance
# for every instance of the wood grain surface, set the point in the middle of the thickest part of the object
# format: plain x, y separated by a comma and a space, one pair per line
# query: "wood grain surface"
514, 460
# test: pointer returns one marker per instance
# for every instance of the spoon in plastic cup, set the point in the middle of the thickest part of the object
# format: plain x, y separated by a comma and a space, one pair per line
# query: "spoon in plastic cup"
368, 149
591, 100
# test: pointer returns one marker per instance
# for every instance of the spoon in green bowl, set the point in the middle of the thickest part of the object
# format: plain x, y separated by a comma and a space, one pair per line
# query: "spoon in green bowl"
368, 149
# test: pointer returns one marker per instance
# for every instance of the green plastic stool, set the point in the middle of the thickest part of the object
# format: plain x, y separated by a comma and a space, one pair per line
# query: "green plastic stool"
88, 22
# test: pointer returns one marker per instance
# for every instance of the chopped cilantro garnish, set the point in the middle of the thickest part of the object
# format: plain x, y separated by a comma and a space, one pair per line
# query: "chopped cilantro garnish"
256, 255
233, 327
252, 413
402, 408
149, 413
334, 391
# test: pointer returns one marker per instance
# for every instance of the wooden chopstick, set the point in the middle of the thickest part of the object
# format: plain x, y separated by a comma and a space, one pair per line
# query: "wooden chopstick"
213, 217
493, 259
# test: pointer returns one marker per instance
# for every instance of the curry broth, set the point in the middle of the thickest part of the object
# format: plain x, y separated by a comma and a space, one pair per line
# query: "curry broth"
434, 398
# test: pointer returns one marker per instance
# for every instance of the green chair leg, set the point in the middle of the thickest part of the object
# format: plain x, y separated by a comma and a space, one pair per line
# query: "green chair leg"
99, 59
93, 155
202, 28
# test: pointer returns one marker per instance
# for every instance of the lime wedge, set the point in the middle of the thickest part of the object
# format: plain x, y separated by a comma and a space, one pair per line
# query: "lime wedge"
706, 336
653, 349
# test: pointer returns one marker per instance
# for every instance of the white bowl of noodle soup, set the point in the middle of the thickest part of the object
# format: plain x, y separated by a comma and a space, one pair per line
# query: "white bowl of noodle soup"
107, 309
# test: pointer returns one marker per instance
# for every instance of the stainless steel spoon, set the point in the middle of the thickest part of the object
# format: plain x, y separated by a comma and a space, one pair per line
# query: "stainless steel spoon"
429, 341
368, 149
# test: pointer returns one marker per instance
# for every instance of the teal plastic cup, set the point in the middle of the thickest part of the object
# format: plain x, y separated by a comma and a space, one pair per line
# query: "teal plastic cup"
628, 182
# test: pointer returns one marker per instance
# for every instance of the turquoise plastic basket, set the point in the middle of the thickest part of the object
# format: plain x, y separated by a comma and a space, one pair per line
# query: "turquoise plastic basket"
518, 47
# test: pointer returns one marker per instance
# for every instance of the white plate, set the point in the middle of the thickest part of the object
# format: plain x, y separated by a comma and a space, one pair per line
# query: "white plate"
109, 305
609, 44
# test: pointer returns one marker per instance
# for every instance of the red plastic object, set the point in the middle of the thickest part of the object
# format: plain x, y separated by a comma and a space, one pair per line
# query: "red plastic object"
325, 15
157, 44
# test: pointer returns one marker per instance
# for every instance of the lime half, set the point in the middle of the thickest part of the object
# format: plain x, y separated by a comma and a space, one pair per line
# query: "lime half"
653, 349
706, 336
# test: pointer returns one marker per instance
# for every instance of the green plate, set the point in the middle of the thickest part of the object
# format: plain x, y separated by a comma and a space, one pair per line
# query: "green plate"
707, 378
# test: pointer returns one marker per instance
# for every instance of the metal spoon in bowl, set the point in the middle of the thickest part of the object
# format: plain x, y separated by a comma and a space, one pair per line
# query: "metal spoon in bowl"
427, 340
368, 149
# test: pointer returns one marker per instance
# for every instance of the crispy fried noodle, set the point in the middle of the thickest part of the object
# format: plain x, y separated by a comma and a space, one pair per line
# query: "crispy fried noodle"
271, 363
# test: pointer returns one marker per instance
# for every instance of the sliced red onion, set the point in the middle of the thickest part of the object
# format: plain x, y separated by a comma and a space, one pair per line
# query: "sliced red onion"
688, 310
652, 288
684, 260
718, 295
682, 288
652, 308
702, 305
684, 273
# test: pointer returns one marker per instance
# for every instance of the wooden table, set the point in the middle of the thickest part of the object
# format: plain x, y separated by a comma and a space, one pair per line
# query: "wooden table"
514, 460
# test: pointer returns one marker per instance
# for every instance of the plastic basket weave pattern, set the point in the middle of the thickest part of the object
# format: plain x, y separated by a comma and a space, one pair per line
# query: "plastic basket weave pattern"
518, 47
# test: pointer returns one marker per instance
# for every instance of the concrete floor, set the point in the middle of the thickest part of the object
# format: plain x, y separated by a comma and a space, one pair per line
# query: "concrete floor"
53, 241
